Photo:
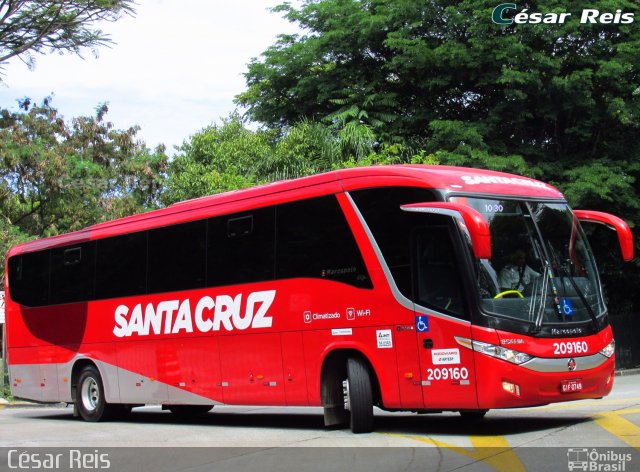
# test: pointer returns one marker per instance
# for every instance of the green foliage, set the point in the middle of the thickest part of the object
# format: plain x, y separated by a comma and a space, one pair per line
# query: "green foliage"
605, 185
307, 148
59, 177
5, 392
230, 156
362, 108
522, 98
387, 155
218, 158
30, 27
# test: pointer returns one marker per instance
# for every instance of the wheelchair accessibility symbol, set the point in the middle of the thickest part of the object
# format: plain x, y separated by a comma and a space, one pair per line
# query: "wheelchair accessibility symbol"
567, 307
422, 323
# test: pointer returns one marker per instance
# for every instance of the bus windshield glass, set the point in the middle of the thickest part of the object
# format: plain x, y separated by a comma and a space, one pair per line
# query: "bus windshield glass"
541, 270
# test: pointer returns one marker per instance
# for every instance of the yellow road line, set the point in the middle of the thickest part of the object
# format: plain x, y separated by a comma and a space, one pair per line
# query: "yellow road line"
496, 452
492, 450
622, 428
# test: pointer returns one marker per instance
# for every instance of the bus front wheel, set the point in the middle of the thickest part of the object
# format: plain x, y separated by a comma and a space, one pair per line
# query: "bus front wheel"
359, 396
90, 399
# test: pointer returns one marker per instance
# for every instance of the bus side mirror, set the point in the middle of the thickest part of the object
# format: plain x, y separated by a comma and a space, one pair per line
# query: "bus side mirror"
625, 238
473, 220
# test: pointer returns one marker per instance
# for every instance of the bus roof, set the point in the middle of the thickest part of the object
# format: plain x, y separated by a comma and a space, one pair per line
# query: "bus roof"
451, 179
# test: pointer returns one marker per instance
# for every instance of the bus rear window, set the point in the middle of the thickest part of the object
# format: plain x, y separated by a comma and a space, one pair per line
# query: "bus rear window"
29, 278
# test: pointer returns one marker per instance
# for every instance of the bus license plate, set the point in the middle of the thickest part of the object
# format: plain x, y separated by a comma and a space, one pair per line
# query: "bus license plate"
570, 386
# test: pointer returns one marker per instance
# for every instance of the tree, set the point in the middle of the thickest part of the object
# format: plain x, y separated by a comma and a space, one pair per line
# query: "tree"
31, 27
230, 156
441, 76
216, 159
59, 177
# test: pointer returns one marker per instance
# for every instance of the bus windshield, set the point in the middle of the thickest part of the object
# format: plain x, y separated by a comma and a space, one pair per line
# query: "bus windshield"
541, 270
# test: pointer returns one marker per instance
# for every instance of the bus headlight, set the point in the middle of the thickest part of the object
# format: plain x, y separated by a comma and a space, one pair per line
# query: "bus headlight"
509, 355
609, 349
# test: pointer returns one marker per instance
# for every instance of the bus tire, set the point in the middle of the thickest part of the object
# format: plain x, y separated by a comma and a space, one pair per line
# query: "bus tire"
90, 399
189, 411
359, 396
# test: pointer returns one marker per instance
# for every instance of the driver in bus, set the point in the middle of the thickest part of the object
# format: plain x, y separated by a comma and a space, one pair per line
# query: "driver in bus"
517, 275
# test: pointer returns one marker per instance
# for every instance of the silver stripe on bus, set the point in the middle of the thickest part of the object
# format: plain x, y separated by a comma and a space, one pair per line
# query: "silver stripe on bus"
120, 385
546, 364
549, 364
400, 298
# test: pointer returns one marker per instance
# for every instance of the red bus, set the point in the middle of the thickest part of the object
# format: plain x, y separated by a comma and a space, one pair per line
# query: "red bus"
418, 288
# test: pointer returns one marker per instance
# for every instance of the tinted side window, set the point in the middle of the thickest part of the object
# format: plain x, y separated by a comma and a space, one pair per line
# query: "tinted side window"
29, 278
392, 227
438, 281
241, 248
314, 240
121, 266
177, 257
72, 273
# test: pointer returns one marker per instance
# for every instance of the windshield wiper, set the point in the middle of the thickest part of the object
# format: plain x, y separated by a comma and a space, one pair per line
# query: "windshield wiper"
547, 277
537, 326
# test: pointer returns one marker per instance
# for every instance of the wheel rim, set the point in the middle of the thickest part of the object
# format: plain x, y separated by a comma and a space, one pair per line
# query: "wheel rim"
90, 394
346, 394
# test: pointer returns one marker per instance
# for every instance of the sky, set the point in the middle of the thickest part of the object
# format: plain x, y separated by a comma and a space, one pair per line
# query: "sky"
175, 67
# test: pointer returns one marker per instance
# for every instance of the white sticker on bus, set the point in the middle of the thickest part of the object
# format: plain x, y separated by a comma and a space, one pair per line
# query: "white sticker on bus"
445, 356
383, 336
210, 314
341, 332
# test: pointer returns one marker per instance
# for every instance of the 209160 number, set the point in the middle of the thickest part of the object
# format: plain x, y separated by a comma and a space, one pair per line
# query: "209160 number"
446, 373
572, 347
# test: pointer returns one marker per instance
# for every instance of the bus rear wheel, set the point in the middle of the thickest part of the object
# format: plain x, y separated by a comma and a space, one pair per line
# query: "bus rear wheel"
90, 398
359, 396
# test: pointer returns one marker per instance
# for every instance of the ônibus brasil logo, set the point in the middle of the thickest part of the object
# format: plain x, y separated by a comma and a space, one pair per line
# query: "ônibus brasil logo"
503, 15
208, 314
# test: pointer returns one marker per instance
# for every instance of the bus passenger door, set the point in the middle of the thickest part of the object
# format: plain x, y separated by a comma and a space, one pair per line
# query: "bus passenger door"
442, 315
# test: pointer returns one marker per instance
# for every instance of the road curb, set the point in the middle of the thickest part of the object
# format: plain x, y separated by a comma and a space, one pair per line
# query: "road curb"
625, 372
29, 405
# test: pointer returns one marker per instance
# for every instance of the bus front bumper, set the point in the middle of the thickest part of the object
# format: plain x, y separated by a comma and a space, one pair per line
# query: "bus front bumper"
505, 385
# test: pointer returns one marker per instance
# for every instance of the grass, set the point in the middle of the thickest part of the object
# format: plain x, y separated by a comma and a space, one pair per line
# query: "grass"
5, 390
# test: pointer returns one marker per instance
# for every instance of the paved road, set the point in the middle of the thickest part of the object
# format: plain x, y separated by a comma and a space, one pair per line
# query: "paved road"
506, 440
